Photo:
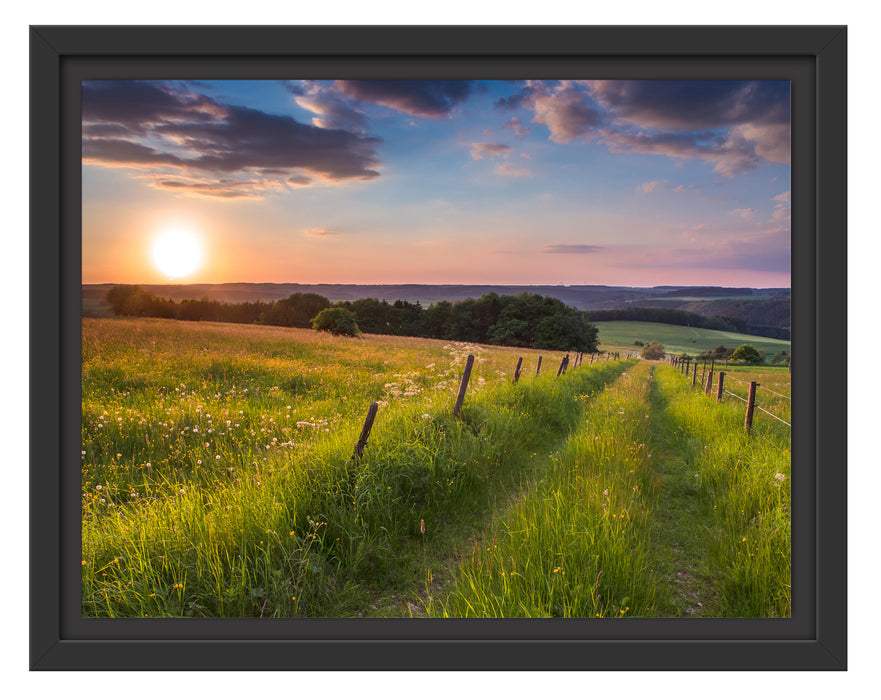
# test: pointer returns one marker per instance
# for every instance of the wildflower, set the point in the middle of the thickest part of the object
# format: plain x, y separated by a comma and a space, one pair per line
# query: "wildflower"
780, 477
149, 465
98, 487
426, 416
422, 526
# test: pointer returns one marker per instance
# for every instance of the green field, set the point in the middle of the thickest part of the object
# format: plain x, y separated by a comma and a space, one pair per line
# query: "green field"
218, 481
618, 335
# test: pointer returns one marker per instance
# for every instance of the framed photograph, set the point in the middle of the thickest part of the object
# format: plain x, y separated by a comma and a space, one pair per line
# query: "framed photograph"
438, 348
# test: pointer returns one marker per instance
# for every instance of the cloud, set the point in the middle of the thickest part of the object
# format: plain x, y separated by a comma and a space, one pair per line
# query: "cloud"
222, 189
734, 125
564, 111
332, 113
488, 150
652, 186
418, 98
320, 232
743, 213
572, 248
512, 171
150, 125
658, 185
299, 181
516, 126
782, 208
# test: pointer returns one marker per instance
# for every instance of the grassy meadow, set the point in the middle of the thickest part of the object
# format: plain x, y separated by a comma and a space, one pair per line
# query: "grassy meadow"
619, 335
217, 481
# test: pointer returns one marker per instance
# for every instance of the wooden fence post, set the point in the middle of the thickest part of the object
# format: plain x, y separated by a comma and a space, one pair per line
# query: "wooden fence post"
694, 374
721, 383
538, 367
464, 385
750, 406
365, 431
709, 382
517, 369
592, 356
562, 368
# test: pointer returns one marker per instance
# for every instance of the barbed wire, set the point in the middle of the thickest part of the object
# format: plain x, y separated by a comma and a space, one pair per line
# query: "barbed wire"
772, 415
735, 395
782, 396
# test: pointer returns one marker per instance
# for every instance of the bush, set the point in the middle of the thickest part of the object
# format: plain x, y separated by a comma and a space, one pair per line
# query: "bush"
639, 343
653, 351
747, 355
337, 321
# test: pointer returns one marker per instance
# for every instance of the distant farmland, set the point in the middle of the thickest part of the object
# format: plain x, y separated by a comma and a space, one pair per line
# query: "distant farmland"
678, 339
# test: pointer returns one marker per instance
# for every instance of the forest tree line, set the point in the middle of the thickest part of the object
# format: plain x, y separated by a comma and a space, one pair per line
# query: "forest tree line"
520, 320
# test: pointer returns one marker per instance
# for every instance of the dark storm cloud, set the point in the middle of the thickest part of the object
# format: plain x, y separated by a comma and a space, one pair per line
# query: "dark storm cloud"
163, 124
419, 98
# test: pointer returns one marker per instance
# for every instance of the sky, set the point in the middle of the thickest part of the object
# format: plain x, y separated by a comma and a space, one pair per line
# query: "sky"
615, 182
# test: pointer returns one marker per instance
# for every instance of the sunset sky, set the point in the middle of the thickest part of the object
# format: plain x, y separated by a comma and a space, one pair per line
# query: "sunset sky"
635, 183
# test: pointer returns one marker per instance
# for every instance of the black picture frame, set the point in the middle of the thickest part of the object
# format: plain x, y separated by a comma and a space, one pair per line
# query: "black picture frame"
812, 57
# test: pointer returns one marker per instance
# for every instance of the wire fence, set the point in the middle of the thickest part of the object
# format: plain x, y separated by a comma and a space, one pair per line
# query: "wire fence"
690, 369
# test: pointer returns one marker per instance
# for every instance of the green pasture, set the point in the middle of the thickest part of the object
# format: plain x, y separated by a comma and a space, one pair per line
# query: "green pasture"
618, 335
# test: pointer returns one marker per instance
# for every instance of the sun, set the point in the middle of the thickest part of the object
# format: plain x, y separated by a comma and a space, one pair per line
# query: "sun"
177, 254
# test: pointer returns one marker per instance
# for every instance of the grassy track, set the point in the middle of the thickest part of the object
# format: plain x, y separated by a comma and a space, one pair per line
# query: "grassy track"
729, 501
574, 545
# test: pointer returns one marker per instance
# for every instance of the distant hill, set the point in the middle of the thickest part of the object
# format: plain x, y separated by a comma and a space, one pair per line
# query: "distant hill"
581, 297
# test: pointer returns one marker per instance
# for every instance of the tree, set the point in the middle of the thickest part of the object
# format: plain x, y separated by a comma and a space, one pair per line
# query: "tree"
128, 300
653, 350
337, 321
746, 354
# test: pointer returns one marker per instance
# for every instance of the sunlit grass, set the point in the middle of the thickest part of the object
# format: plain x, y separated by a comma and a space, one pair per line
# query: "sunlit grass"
217, 470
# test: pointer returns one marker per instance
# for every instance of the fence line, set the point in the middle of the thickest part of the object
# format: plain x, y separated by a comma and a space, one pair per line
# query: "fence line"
706, 385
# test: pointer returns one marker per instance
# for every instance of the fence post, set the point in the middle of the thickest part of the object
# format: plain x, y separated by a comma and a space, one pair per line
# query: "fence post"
694, 374
365, 431
592, 355
709, 382
721, 383
687, 365
538, 367
750, 406
517, 369
562, 366
464, 385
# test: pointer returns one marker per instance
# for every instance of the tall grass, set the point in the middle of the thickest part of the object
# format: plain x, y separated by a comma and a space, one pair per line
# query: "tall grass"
217, 470
744, 483
575, 544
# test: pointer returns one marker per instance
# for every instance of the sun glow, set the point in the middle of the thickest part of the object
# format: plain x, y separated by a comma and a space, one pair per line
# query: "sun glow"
177, 254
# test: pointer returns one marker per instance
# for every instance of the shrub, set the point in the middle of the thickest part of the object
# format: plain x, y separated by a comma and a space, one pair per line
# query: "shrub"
639, 343
746, 354
337, 321
653, 351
